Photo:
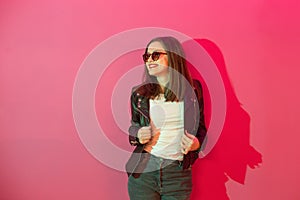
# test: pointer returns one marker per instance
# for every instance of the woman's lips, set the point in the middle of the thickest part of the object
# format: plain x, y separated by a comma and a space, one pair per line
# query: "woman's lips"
152, 66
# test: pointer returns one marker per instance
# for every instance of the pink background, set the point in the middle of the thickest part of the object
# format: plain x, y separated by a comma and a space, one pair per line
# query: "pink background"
255, 45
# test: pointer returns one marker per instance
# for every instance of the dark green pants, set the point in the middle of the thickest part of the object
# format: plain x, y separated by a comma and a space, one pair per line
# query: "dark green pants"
162, 179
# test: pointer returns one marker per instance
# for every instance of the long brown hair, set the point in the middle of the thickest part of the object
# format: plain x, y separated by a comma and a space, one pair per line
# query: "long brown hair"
179, 74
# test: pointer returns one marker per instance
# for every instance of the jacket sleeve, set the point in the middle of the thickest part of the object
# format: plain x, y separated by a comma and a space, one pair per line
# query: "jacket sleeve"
135, 120
201, 132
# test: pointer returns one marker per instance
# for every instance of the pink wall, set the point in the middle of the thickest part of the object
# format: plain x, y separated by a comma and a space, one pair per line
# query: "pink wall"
255, 45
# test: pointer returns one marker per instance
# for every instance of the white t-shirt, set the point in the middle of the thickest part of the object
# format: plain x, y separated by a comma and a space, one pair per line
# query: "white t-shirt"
168, 121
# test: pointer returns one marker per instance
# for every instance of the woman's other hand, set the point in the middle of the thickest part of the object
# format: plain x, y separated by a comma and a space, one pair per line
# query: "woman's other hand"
189, 143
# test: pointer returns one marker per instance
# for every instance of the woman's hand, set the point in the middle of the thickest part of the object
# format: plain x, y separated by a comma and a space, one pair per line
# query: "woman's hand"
189, 143
144, 134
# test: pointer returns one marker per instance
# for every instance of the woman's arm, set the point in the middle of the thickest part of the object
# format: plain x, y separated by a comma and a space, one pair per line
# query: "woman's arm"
192, 142
140, 130
135, 120
201, 132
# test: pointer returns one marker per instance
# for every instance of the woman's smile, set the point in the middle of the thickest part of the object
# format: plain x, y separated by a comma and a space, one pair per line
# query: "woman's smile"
152, 66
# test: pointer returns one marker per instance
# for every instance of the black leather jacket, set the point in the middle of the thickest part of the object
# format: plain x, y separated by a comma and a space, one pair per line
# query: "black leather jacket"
193, 123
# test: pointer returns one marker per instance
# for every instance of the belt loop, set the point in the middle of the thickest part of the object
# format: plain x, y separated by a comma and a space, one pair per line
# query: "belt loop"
180, 163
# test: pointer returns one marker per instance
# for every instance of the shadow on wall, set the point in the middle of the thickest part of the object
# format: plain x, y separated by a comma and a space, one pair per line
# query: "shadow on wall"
233, 152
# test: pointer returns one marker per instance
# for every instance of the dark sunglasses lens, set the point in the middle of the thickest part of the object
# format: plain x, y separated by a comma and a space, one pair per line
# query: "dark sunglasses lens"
155, 56
146, 56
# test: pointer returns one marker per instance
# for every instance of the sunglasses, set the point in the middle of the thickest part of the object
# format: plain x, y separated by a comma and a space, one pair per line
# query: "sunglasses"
155, 56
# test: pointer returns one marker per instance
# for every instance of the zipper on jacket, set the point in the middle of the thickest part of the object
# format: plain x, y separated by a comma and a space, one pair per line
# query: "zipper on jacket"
140, 111
147, 118
195, 115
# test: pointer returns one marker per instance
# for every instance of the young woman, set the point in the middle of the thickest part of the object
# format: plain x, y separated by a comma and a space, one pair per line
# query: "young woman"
167, 125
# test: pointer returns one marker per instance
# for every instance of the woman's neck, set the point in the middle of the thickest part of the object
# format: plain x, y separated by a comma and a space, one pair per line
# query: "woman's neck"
163, 80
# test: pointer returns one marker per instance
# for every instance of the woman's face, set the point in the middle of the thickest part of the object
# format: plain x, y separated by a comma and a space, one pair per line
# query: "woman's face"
159, 67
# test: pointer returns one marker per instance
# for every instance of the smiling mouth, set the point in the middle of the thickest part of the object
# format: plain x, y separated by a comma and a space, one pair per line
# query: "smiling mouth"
152, 66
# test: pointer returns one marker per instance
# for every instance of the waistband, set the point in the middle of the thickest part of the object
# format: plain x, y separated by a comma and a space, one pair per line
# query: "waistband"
164, 160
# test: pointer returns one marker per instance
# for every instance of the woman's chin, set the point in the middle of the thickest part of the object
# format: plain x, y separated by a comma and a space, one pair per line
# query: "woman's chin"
151, 73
